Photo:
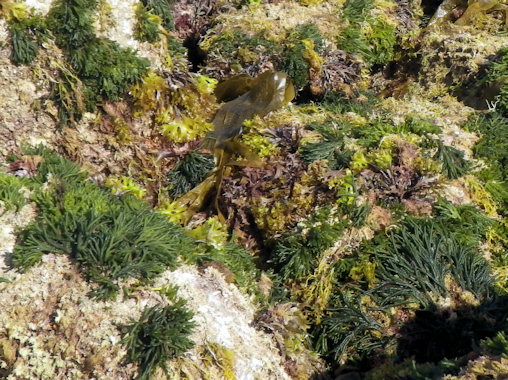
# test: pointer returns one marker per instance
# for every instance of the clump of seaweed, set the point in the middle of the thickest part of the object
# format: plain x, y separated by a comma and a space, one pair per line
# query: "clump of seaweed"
371, 36
100, 66
295, 254
148, 27
493, 144
180, 102
420, 265
452, 159
110, 237
296, 61
11, 192
189, 172
160, 334
27, 32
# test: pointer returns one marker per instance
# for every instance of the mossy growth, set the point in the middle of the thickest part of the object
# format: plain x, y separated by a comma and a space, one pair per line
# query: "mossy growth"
189, 172
103, 69
453, 161
110, 237
294, 61
11, 192
148, 26
160, 334
371, 37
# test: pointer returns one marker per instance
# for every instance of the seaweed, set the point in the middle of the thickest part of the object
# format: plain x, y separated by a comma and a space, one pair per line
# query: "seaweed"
416, 265
496, 79
453, 161
294, 61
295, 254
189, 172
148, 25
237, 260
348, 324
161, 8
493, 144
420, 255
497, 345
160, 334
373, 38
465, 222
11, 194
27, 33
109, 237
104, 68
332, 147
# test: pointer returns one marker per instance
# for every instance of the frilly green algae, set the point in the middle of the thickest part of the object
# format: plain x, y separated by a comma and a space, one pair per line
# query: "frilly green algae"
181, 103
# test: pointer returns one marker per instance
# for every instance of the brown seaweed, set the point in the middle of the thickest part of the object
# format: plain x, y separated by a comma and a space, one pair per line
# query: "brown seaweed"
250, 97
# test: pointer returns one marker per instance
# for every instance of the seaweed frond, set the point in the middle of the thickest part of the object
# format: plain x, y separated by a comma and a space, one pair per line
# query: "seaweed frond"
160, 334
189, 172
296, 253
452, 159
109, 237
11, 192
418, 258
148, 26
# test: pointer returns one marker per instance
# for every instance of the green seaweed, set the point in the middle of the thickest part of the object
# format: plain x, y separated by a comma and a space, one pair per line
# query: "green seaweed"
348, 324
465, 222
376, 46
109, 237
237, 260
496, 76
331, 148
147, 27
161, 8
293, 61
105, 69
11, 192
497, 345
453, 161
420, 254
26, 34
189, 172
295, 254
160, 334
493, 144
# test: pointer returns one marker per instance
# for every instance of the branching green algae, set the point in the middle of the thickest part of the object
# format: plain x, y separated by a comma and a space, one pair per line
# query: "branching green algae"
160, 334
105, 69
110, 237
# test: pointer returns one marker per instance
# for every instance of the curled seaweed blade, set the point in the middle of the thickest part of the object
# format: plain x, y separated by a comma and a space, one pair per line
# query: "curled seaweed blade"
233, 87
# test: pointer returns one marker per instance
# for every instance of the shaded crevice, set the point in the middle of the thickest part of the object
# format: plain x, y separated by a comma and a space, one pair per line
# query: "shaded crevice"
195, 54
